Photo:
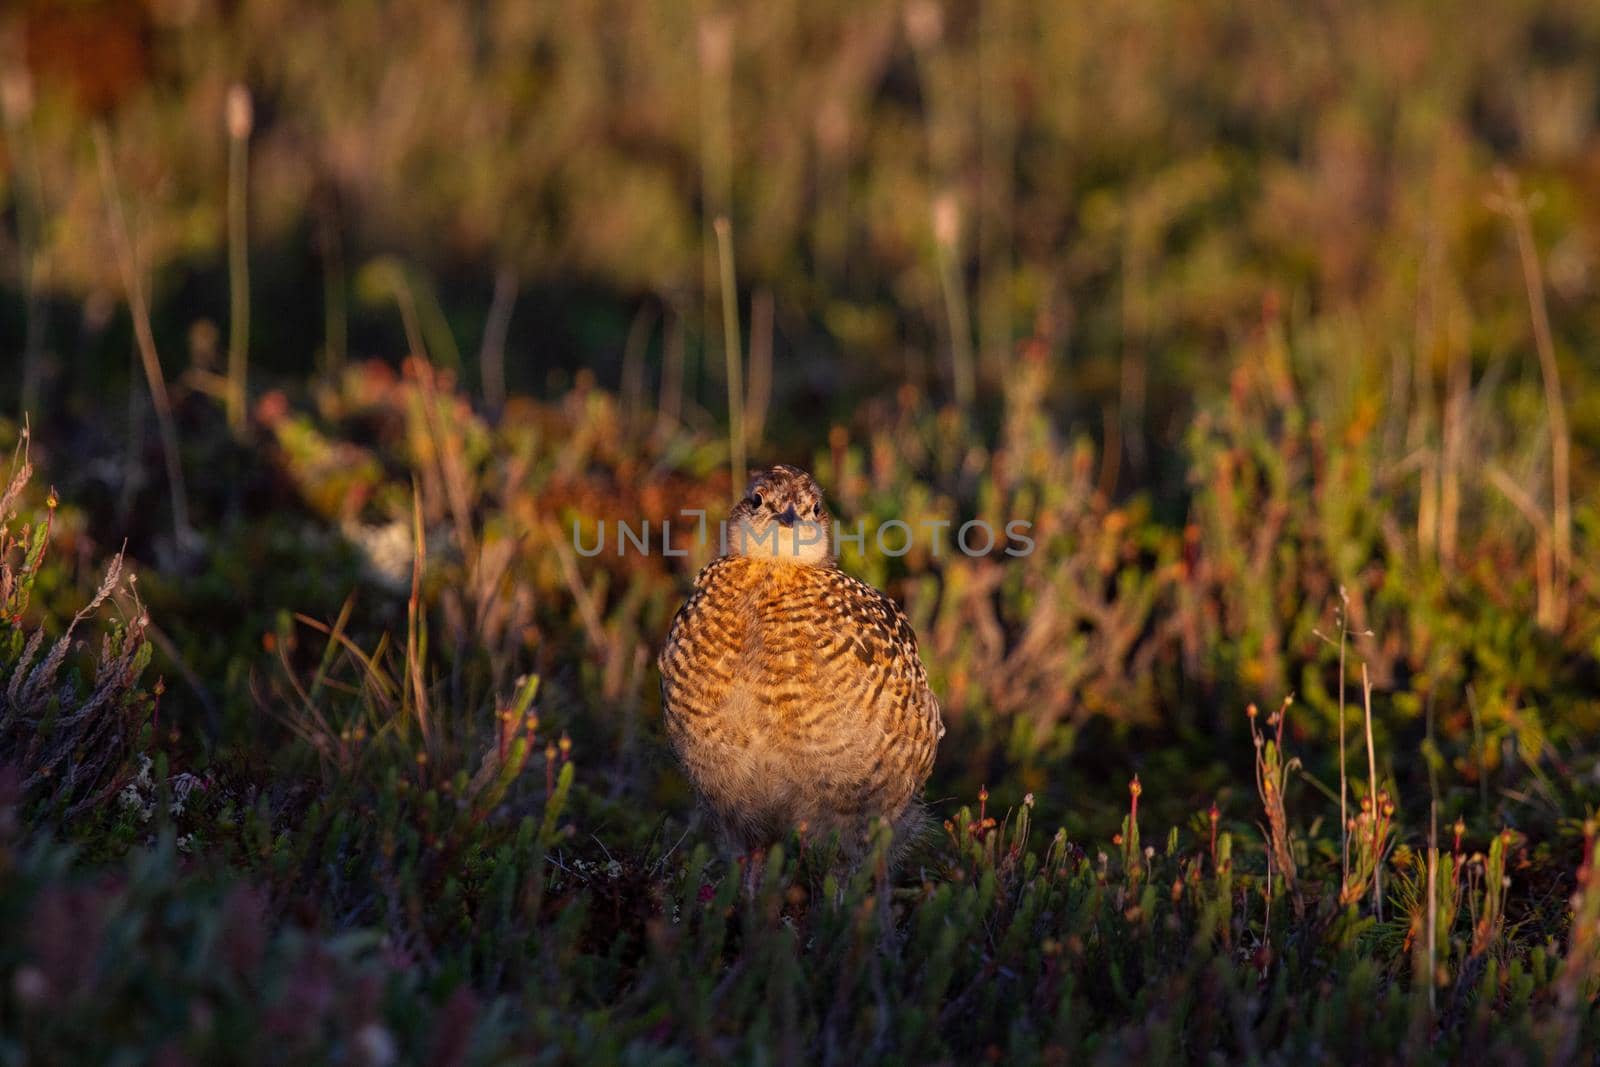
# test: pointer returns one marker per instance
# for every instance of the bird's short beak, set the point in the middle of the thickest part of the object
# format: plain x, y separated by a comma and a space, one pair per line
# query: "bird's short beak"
787, 519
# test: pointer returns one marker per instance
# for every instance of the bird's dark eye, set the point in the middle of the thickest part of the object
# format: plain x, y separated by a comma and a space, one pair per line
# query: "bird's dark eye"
755, 500
816, 510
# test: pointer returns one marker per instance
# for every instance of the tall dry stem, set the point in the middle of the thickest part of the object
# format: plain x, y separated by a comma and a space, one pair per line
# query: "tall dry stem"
416, 624
633, 353
1544, 569
946, 239
1419, 430
1372, 791
1452, 454
1433, 902
732, 352
1429, 754
133, 290
1514, 206
492, 353
1344, 763
241, 117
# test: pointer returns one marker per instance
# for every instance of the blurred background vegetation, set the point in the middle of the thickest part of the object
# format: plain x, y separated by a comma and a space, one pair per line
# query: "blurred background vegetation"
1278, 322
1138, 187
1281, 271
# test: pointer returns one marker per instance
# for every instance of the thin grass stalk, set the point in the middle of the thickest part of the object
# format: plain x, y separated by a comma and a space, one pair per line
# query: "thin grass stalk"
594, 627
405, 299
1344, 774
1433, 902
492, 353
715, 42
1372, 791
240, 120
1426, 411
1344, 763
133, 290
1420, 429
732, 353
1433, 859
1458, 388
1403, 429
1478, 753
437, 474
633, 353
452, 466
1141, 228
435, 323
1266, 919
1514, 206
416, 639
946, 240
1543, 554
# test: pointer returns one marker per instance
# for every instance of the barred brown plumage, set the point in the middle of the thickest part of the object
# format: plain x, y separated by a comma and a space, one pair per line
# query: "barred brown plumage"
793, 693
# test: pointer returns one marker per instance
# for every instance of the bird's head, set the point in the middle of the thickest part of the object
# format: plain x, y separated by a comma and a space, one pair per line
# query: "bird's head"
782, 517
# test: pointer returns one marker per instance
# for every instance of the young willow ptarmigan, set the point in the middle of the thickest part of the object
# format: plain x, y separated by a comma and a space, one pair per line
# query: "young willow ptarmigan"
793, 693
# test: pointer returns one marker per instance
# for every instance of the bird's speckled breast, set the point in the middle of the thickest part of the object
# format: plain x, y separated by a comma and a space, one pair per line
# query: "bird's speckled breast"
795, 694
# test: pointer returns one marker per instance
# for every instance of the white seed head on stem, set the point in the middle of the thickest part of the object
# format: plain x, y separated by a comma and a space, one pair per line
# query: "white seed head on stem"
16, 93
924, 23
946, 220
241, 112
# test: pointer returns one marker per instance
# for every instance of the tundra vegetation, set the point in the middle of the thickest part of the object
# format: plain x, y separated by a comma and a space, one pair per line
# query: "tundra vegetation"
321, 741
